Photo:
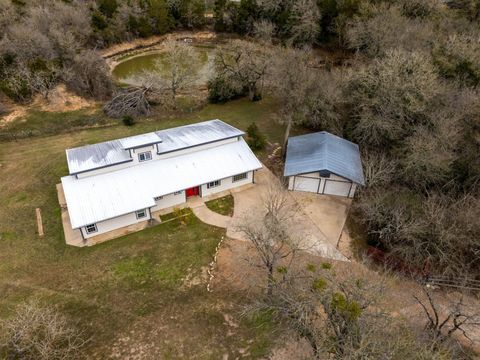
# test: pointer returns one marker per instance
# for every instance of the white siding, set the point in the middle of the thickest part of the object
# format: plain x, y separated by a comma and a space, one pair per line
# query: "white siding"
195, 148
134, 153
169, 201
115, 223
105, 169
226, 184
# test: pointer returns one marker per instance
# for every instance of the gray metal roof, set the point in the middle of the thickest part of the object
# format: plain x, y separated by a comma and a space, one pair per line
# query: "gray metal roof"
324, 151
108, 195
95, 156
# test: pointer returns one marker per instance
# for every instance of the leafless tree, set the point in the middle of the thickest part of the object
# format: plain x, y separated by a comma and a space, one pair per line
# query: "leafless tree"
378, 169
443, 322
35, 332
263, 30
7, 14
246, 64
390, 95
41, 81
341, 318
179, 65
88, 75
458, 56
132, 101
380, 28
290, 80
325, 101
272, 235
306, 22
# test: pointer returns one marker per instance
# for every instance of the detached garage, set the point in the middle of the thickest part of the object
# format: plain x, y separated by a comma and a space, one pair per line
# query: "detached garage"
323, 163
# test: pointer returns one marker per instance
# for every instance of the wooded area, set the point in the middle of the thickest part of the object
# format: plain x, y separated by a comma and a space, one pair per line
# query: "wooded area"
400, 78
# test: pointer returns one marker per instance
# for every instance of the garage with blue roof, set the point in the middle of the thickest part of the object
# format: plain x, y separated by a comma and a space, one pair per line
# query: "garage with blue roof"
323, 163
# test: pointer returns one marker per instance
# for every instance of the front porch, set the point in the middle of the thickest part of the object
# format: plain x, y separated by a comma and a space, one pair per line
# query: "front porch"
74, 237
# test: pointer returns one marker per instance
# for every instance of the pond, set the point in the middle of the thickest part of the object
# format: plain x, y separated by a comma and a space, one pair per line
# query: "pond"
129, 71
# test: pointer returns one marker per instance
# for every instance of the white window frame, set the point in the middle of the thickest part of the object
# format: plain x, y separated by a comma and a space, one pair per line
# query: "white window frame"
138, 212
240, 177
214, 184
147, 155
178, 192
91, 229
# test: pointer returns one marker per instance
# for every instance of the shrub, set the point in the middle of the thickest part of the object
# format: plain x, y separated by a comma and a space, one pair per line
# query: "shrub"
221, 90
256, 140
128, 120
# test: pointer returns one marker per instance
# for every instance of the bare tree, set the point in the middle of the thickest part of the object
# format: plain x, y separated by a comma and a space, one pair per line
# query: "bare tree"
305, 22
132, 101
378, 169
246, 64
179, 65
443, 322
391, 95
380, 28
290, 80
263, 30
341, 318
458, 57
36, 332
271, 234
89, 75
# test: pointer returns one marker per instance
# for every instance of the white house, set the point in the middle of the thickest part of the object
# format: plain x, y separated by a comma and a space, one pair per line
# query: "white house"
118, 183
324, 164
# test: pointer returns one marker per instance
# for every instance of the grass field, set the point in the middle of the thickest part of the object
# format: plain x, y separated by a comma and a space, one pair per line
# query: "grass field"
223, 206
143, 291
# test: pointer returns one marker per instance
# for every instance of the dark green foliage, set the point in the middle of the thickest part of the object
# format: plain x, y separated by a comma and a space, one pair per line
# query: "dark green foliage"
221, 90
128, 120
98, 21
256, 140
107, 7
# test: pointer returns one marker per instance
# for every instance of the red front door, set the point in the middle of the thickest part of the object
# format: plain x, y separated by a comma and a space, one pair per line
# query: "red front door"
194, 191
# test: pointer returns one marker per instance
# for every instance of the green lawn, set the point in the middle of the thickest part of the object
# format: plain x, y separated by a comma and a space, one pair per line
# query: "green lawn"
223, 206
148, 282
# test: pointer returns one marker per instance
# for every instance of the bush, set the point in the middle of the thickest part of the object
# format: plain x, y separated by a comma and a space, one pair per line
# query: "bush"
128, 120
221, 90
256, 140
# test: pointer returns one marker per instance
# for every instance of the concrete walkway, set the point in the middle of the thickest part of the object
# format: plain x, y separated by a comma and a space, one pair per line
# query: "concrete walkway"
206, 215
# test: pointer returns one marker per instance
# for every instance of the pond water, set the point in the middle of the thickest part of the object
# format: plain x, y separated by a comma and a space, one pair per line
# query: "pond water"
129, 71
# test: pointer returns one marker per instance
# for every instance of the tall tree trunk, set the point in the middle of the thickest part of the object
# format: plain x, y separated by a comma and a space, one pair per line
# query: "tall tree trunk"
285, 137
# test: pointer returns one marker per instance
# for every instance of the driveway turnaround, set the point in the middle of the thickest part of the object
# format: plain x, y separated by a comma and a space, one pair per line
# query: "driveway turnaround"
314, 239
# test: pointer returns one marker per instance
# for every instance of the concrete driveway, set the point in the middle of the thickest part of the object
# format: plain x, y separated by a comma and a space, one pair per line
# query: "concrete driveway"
318, 233
328, 212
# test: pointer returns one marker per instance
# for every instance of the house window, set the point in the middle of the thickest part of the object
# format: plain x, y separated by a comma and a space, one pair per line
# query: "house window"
156, 198
177, 192
92, 228
144, 156
213, 184
141, 213
240, 177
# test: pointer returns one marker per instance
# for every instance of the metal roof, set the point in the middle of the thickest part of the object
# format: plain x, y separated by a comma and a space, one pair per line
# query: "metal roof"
108, 195
324, 151
90, 157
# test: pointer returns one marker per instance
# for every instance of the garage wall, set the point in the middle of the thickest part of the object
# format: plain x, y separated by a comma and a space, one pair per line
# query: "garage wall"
313, 182
115, 223
226, 184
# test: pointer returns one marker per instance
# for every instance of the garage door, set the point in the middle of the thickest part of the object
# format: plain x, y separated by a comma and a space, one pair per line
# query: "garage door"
306, 184
340, 188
